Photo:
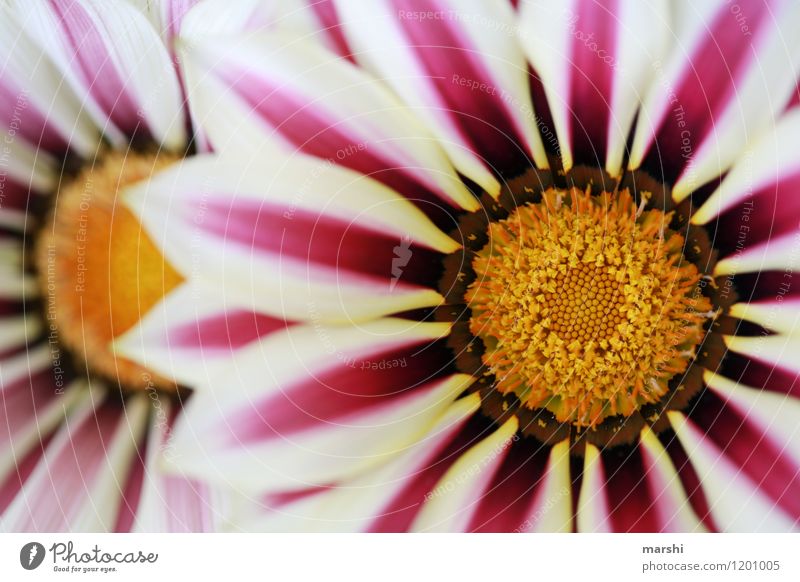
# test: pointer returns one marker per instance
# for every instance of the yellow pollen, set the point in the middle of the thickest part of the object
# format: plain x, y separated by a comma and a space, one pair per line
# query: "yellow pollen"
586, 307
99, 270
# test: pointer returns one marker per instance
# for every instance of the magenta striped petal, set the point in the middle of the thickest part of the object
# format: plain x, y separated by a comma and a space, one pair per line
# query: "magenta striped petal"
530, 492
158, 501
730, 75
294, 237
463, 74
302, 98
749, 477
36, 106
192, 331
757, 200
79, 482
314, 404
35, 391
633, 490
386, 498
114, 59
595, 60
457, 495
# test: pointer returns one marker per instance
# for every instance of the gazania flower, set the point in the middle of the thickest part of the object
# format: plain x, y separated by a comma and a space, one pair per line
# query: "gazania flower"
490, 268
91, 104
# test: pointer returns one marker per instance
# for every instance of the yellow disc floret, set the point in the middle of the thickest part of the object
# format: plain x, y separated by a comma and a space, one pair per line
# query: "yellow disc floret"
586, 305
99, 269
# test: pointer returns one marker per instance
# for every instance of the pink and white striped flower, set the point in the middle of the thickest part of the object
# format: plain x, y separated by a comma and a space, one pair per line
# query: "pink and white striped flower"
379, 286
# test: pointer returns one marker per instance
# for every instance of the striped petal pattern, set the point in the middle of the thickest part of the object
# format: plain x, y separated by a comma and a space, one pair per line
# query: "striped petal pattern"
303, 98
728, 78
340, 400
460, 71
595, 60
37, 105
115, 61
89, 457
302, 239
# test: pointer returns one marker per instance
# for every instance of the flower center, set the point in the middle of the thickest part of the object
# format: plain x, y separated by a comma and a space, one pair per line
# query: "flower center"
99, 270
586, 305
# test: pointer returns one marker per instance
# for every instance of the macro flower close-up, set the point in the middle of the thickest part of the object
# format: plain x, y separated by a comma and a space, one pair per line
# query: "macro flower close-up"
400, 266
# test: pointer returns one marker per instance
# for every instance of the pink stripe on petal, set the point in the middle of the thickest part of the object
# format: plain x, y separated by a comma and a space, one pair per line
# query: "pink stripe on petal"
95, 65
404, 508
132, 490
708, 85
479, 116
309, 128
14, 195
224, 331
329, 19
59, 493
308, 237
22, 118
11, 307
508, 500
766, 285
770, 211
754, 451
591, 82
632, 505
174, 13
794, 101
689, 478
16, 478
338, 394
22, 400
761, 374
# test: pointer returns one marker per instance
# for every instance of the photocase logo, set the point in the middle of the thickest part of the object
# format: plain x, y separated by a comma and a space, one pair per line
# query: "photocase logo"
31, 555
402, 255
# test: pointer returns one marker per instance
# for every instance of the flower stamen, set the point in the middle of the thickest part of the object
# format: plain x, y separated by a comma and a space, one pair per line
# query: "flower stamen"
99, 270
586, 305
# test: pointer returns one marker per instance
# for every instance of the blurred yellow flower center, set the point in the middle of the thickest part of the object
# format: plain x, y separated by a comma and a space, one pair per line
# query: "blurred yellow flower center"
99, 270
586, 305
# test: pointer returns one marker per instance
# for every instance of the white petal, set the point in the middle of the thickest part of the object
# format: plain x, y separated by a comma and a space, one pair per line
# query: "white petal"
45, 110
209, 215
266, 438
586, 56
78, 484
301, 97
736, 503
593, 511
465, 482
119, 66
479, 49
